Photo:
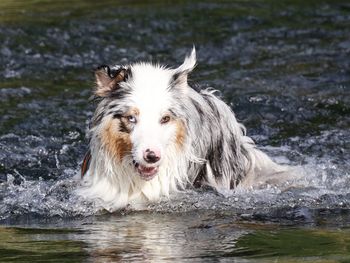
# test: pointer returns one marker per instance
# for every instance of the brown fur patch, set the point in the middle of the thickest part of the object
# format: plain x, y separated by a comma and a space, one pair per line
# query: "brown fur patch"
86, 163
105, 84
117, 143
180, 134
133, 111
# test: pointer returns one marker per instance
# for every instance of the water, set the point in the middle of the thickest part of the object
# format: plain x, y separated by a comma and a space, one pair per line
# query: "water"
284, 69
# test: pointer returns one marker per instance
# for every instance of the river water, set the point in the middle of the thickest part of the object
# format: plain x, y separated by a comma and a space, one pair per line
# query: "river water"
284, 68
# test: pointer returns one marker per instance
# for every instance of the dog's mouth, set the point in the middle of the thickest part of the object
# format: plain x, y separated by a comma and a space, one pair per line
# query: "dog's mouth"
146, 172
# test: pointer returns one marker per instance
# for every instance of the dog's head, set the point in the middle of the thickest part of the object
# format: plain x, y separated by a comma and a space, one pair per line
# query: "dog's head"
139, 118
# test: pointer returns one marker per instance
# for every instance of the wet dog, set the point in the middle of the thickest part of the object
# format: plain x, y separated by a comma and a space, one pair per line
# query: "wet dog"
152, 134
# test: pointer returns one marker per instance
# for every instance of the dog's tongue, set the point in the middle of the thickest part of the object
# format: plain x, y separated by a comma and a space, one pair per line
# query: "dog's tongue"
147, 173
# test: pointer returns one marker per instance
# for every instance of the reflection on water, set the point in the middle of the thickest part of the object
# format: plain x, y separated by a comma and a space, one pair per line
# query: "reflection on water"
201, 236
38, 245
161, 237
282, 66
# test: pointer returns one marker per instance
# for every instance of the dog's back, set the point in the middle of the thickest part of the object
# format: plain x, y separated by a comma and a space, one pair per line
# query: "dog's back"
230, 158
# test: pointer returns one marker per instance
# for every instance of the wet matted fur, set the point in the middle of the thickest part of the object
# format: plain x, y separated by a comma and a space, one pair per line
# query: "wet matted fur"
193, 137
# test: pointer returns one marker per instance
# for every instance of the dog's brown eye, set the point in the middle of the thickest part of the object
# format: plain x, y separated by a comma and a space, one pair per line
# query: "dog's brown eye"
131, 118
165, 119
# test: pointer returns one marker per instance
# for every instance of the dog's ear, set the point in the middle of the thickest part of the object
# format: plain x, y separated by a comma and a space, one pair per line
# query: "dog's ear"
108, 80
181, 73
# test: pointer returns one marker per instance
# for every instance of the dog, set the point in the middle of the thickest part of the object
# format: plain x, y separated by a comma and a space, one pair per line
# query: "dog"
152, 135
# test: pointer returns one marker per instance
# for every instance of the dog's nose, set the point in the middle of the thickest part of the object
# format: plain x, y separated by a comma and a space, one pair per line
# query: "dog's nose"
151, 156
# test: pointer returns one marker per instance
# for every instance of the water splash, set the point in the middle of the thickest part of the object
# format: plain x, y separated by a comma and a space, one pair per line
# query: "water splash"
42, 198
322, 184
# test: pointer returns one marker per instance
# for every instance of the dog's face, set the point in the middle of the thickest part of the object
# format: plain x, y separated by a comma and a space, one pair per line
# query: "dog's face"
139, 120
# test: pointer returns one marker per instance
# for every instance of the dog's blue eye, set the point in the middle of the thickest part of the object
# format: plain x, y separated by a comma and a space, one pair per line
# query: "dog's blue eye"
131, 118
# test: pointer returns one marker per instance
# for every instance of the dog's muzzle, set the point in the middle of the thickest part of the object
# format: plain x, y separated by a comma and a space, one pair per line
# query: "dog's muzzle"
146, 172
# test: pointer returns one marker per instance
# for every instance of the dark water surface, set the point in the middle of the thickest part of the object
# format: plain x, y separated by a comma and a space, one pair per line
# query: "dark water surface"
283, 67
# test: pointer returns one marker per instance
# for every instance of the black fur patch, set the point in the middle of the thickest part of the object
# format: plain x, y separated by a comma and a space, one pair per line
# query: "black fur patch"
96, 120
128, 74
198, 109
214, 157
174, 78
198, 182
211, 105
173, 113
119, 94
123, 127
117, 115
